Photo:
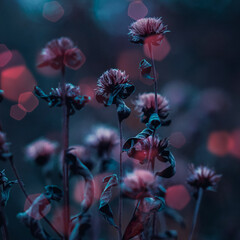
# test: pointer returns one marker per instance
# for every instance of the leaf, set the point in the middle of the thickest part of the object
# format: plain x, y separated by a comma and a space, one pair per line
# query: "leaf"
154, 122
34, 213
168, 234
6, 192
132, 141
77, 167
142, 216
166, 156
174, 215
35, 226
105, 198
41, 94
81, 225
123, 110
145, 69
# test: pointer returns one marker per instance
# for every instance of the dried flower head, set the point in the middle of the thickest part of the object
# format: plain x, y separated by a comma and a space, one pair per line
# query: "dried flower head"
74, 99
40, 151
145, 105
111, 85
146, 27
103, 139
61, 52
138, 184
203, 177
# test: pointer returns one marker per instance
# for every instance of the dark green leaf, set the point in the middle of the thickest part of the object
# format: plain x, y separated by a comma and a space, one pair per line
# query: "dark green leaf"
105, 198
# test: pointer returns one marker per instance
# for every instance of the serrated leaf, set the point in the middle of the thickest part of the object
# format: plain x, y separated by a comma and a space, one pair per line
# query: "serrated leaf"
105, 198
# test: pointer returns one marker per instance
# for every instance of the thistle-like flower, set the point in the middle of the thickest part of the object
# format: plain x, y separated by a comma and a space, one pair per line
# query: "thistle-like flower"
203, 177
61, 52
145, 105
41, 151
113, 84
74, 99
138, 184
103, 139
146, 27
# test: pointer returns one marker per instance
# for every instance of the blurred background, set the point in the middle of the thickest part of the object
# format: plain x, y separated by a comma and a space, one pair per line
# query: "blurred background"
198, 70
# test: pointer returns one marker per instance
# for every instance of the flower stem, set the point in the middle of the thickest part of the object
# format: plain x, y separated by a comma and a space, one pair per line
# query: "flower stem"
4, 229
199, 199
27, 197
120, 181
65, 135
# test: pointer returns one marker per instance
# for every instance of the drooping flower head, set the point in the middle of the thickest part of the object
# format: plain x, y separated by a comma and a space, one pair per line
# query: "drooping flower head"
137, 184
103, 139
203, 177
145, 105
146, 27
74, 99
61, 52
111, 85
40, 151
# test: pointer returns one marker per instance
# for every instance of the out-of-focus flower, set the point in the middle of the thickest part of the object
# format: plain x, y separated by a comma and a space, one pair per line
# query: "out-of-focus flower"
103, 139
83, 154
74, 99
146, 27
61, 52
113, 84
40, 151
203, 177
138, 184
145, 105
4, 147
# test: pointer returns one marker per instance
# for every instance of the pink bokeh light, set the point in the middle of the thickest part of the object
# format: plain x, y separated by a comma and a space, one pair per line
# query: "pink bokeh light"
53, 11
160, 51
219, 143
137, 9
177, 197
234, 148
5, 55
16, 80
177, 139
17, 113
28, 101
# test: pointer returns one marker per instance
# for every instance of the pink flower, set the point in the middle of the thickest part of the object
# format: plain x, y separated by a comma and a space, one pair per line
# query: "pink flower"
145, 105
112, 84
203, 177
138, 184
40, 151
61, 52
103, 139
146, 27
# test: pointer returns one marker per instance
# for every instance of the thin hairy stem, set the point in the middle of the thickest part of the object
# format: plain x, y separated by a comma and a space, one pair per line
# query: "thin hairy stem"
27, 196
65, 143
120, 181
199, 199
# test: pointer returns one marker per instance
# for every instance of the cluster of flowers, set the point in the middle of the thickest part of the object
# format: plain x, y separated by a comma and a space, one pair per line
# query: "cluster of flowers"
113, 88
